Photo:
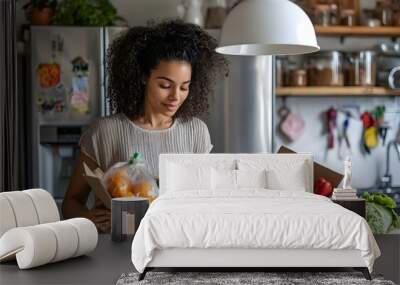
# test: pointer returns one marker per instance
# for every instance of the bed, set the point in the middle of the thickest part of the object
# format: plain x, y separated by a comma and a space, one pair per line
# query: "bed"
246, 211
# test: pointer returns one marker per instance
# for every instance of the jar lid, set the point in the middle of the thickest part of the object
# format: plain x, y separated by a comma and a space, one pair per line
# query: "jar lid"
348, 12
322, 7
299, 71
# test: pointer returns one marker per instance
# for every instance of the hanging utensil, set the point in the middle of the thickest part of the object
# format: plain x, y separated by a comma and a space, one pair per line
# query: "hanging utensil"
331, 115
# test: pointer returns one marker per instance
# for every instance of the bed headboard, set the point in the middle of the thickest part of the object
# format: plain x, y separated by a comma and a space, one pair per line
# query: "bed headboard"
231, 161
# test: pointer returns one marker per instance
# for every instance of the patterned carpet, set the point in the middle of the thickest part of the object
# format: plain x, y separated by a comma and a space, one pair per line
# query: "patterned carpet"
269, 278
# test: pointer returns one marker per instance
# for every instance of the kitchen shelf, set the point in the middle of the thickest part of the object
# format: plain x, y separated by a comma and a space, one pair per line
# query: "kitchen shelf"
336, 91
358, 31
342, 31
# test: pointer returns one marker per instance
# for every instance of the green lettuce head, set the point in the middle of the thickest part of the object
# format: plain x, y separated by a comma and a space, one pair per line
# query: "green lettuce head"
381, 216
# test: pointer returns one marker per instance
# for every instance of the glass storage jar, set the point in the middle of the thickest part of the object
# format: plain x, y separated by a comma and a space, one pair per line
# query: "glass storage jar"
322, 15
385, 10
396, 18
334, 14
216, 14
325, 68
298, 77
348, 17
370, 18
361, 68
281, 64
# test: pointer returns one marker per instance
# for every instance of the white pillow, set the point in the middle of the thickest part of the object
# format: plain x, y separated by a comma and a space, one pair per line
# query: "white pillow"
183, 177
286, 172
223, 179
293, 180
228, 179
251, 178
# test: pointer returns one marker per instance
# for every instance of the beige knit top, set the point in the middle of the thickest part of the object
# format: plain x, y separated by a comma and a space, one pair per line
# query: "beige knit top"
115, 138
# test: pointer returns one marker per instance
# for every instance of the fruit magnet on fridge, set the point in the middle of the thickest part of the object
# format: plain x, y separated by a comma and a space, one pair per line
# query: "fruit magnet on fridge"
51, 94
49, 74
80, 96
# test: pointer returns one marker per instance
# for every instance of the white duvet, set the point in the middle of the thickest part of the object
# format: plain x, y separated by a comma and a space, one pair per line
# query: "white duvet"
253, 218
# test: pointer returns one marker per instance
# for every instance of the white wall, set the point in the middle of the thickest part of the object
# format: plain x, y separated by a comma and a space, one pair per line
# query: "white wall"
138, 12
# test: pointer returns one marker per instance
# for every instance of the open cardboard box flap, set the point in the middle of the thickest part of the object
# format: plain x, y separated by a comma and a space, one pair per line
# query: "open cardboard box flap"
94, 178
319, 170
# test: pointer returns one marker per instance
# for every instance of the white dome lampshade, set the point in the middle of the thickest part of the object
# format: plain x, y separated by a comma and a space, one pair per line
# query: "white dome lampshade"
267, 27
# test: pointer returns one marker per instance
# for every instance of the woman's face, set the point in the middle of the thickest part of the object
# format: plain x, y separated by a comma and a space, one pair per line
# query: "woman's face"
168, 87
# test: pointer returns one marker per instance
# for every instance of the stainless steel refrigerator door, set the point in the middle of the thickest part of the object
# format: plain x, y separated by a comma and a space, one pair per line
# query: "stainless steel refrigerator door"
110, 34
241, 110
51, 163
61, 45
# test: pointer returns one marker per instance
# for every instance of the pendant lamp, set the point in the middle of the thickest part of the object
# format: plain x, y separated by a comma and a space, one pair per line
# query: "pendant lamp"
267, 27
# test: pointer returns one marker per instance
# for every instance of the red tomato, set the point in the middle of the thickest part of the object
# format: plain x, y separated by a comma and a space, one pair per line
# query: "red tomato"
323, 187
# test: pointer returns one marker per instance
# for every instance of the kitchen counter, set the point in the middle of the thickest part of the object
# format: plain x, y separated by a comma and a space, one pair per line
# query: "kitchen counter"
102, 266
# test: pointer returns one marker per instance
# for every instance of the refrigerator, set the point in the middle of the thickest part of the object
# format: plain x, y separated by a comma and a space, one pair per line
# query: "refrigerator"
241, 116
68, 89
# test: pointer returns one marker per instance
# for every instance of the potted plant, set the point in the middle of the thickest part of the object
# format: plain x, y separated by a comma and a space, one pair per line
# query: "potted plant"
40, 12
85, 13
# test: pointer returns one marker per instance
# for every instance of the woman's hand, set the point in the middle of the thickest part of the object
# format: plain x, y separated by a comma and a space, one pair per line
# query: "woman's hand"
102, 219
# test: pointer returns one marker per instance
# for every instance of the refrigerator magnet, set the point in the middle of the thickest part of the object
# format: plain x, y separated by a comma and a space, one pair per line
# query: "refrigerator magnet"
80, 96
49, 74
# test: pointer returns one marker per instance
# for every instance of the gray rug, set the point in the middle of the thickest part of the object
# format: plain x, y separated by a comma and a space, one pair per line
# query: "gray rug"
269, 278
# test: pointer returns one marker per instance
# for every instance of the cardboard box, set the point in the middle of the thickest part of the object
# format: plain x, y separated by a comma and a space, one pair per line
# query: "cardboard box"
94, 178
319, 170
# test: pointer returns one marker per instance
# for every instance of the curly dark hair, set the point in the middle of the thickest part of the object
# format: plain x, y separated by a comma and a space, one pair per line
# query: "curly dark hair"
133, 56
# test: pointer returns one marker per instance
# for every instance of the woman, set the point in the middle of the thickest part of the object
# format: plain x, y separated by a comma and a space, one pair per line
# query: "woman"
160, 77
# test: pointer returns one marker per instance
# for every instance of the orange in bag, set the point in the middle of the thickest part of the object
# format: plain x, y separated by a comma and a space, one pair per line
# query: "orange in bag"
132, 178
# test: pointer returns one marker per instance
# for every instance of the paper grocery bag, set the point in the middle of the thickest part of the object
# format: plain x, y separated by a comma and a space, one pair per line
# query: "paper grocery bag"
94, 178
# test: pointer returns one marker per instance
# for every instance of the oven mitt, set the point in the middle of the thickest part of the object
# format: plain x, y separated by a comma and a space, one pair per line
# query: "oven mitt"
292, 127
37, 245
